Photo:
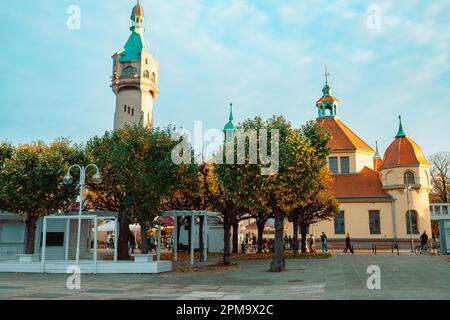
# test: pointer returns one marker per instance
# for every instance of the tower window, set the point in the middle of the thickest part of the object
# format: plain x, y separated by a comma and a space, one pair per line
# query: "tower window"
129, 72
128, 110
146, 61
413, 222
332, 163
125, 108
153, 77
345, 165
132, 112
409, 178
146, 74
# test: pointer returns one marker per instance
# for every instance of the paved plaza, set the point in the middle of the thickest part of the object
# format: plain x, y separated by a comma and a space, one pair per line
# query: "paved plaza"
339, 277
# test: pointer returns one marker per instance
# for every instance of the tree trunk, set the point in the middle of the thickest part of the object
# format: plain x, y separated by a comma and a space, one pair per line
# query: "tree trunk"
260, 226
295, 237
226, 241
144, 239
277, 264
303, 229
178, 221
236, 237
189, 232
31, 234
122, 241
201, 245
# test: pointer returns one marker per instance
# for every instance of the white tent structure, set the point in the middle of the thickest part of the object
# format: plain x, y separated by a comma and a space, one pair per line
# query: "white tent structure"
111, 225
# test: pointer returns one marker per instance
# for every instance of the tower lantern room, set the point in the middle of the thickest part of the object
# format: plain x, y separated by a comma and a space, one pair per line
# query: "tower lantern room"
327, 105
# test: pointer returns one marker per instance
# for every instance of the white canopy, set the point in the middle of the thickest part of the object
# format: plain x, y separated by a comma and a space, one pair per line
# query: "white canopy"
109, 226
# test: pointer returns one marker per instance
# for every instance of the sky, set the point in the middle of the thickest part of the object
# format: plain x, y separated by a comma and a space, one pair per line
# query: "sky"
385, 58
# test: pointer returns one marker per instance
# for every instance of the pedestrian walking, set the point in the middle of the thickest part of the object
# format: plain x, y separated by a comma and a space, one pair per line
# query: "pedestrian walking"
324, 240
348, 244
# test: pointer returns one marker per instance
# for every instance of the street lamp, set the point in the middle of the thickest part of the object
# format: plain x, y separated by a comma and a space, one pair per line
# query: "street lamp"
68, 180
408, 187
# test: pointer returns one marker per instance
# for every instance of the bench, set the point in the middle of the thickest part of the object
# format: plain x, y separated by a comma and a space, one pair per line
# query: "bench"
28, 257
341, 248
143, 258
391, 247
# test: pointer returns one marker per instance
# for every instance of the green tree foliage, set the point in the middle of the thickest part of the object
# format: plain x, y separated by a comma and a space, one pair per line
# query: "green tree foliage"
302, 157
6, 151
139, 176
31, 182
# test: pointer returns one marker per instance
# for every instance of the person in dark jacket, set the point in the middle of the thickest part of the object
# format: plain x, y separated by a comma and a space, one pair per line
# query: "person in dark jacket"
348, 244
131, 241
423, 240
324, 239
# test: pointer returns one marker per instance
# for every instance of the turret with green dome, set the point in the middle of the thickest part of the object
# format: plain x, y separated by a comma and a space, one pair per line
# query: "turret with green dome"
230, 125
136, 43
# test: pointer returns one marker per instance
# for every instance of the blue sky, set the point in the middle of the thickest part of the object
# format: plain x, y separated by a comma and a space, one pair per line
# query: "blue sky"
267, 57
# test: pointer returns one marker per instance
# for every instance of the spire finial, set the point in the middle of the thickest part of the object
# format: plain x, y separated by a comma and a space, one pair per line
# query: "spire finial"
400, 132
326, 75
377, 152
231, 112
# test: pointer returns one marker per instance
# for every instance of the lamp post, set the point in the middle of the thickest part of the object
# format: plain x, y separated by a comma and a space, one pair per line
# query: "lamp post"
68, 180
408, 187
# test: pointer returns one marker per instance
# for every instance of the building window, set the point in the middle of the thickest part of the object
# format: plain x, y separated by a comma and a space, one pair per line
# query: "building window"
132, 112
374, 222
125, 108
146, 74
415, 227
153, 77
129, 72
339, 223
409, 178
53, 239
332, 162
345, 165
128, 110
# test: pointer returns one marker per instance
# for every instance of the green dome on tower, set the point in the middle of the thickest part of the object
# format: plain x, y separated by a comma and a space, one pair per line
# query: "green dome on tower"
230, 125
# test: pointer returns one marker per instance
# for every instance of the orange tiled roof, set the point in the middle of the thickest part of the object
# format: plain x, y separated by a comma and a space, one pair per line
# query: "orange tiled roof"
327, 98
403, 151
342, 137
364, 184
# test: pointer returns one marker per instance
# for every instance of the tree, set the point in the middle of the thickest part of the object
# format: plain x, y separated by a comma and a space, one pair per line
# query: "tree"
31, 182
223, 202
440, 175
302, 155
108, 196
190, 194
143, 166
6, 151
319, 206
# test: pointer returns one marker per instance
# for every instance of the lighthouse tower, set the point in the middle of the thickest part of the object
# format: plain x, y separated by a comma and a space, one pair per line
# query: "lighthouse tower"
135, 77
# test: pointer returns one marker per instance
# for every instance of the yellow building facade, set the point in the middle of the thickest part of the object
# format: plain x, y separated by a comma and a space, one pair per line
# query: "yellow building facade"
375, 193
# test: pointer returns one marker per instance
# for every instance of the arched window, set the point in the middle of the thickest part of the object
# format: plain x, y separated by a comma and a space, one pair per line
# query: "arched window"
409, 178
146, 74
129, 72
153, 77
412, 222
